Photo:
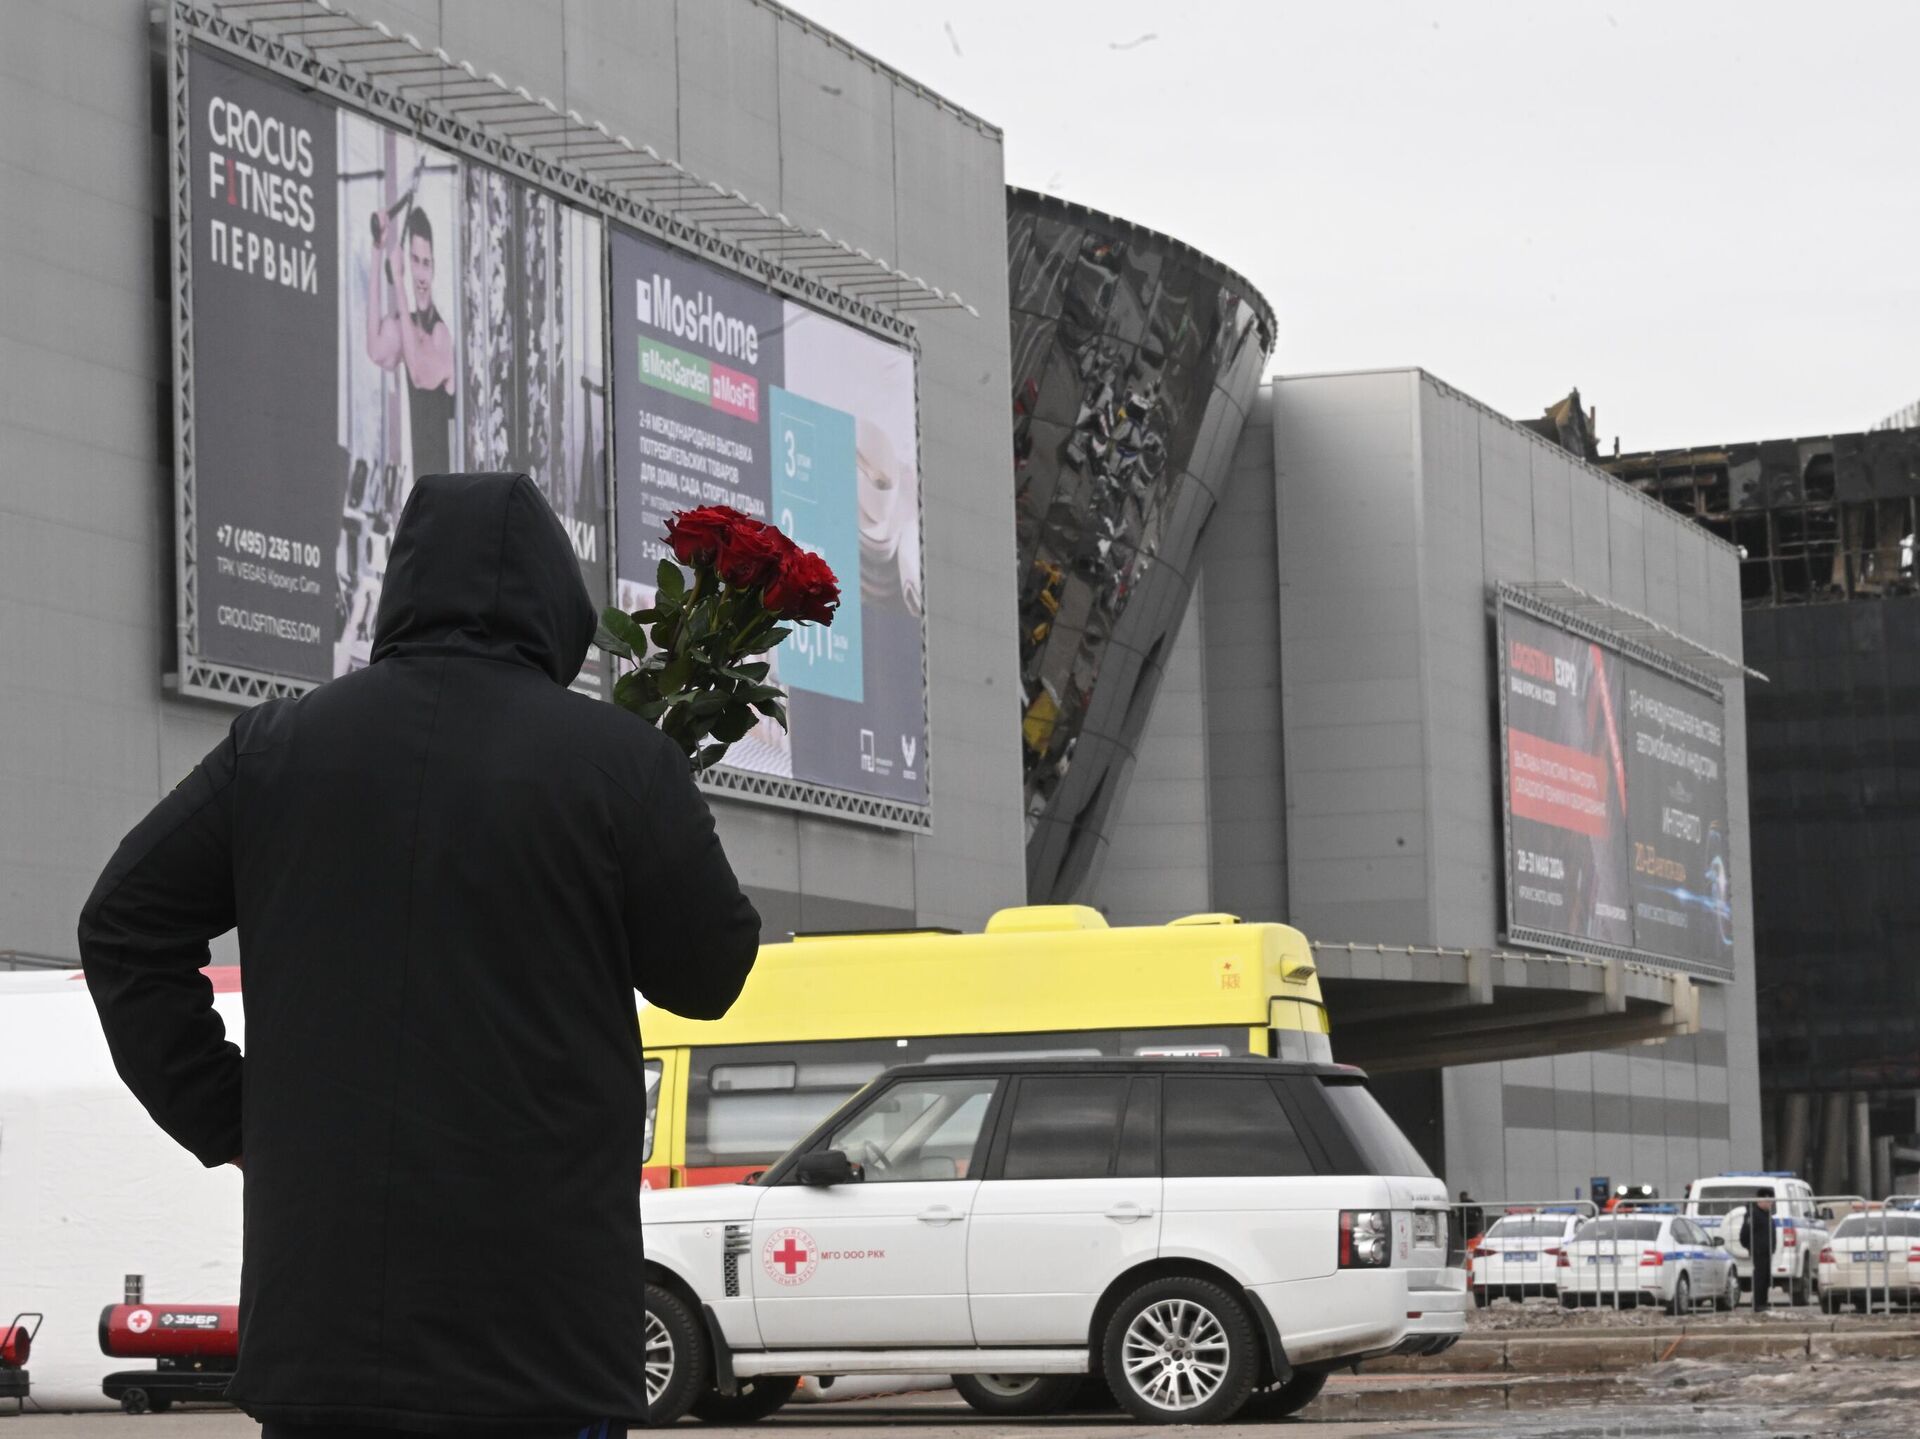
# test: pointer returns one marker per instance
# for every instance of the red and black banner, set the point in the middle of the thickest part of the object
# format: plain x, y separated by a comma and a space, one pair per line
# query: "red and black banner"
1616, 798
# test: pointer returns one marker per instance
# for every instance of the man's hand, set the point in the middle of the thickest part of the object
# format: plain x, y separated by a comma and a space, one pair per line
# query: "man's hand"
382, 229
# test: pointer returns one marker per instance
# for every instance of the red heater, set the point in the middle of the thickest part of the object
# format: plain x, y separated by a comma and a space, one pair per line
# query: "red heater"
16, 1343
194, 1345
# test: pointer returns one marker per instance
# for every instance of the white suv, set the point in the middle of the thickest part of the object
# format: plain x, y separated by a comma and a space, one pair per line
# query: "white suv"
1719, 1204
1207, 1236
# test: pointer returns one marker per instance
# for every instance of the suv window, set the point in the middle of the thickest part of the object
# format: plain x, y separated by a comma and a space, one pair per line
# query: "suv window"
1720, 1200
918, 1129
652, 1070
1065, 1126
1227, 1127
1381, 1145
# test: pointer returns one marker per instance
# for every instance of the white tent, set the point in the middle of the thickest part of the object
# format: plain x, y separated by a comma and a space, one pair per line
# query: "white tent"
91, 1191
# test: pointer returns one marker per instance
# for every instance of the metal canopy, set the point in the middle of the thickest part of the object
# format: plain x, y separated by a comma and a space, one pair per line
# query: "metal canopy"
1628, 630
627, 180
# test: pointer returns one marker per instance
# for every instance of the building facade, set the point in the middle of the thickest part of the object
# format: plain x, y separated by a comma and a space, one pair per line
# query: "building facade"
751, 103
1327, 750
1826, 532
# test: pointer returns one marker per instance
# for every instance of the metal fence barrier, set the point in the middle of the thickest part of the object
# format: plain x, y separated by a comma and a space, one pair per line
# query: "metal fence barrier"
1875, 1267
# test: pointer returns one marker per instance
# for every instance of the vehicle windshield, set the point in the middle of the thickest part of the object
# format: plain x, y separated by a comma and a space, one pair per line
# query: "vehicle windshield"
1619, 1231
1381, 1144
1527, 1229
1875, 1226
1718, 1200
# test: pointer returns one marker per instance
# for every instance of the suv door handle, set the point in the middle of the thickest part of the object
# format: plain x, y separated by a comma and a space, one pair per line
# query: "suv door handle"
940, 1214
1127, 1212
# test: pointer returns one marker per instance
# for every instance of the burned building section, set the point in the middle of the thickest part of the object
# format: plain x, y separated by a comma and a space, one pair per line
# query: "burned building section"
1815, 520
1134, 360
1826, 532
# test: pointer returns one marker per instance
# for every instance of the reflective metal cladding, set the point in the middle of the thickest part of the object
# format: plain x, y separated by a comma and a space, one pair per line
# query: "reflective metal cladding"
1135, 358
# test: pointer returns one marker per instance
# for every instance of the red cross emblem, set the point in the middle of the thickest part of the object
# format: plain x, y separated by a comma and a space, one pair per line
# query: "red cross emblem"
789, 1256
140, 1321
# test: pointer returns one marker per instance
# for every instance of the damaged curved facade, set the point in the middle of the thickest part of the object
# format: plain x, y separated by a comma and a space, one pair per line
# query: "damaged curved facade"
1134, 360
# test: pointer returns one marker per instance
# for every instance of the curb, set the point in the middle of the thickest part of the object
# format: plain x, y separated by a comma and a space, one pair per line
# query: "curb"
1421, 1400
1618, 1352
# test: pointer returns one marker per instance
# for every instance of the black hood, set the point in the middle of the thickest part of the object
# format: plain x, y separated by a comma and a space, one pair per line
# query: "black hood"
481, 566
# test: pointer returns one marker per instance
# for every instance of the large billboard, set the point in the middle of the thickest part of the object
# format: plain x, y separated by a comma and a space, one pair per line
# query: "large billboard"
367, 309
361, 306
1616, 799
727, 393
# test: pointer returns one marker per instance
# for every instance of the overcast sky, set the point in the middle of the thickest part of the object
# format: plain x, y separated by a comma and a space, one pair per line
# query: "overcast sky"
1705, 215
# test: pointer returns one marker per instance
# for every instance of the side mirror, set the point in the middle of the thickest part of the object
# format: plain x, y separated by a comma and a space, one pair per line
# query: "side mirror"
1826, 1212
1718, 1241
824, 1168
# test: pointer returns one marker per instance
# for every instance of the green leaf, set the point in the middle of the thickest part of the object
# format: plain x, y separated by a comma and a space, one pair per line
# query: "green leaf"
673, 584
777, 634
774, 711
674, 677
629, 640
610, 643
749, 673
652, 710
631, 691
709, 756
709, 703
734, 724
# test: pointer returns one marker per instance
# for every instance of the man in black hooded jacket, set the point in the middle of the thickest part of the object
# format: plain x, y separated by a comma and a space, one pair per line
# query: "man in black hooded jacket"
449, 875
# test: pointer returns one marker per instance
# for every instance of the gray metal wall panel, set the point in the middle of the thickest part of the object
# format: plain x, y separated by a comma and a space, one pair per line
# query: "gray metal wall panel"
1159, 864
1345, 475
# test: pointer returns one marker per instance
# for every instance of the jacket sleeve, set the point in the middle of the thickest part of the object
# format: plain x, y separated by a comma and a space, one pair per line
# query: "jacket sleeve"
693, 934
143, 940
1746, 1231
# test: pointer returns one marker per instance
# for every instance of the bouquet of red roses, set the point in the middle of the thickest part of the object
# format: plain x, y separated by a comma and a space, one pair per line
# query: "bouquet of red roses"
689, 655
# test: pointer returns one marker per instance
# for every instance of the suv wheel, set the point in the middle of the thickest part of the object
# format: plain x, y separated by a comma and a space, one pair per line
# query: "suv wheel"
676, 1357
756, 1400
1181, 1351
1802, 1289
1280, 1401
1018, 1393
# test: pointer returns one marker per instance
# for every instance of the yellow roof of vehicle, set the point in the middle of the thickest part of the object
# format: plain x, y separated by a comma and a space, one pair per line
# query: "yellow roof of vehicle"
1036, 969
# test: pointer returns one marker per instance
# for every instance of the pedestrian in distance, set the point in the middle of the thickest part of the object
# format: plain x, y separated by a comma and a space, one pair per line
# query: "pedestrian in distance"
1472, 1219
449, 874
1756, 1237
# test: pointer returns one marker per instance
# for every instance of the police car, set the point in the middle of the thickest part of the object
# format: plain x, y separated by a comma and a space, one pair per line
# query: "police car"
1646, 1257
1872, 1257
1210, 1237
1719, 1204
1519, 1255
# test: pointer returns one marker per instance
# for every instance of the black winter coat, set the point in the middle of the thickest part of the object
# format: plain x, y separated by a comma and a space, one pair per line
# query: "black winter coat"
449, 875
1756, 1237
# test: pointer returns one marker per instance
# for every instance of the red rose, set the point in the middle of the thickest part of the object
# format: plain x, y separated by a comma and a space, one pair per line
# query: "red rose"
696, 536
805, 589
751, 554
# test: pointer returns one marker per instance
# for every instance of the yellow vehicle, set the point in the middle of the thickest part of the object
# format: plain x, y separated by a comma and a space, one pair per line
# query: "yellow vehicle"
822, 1015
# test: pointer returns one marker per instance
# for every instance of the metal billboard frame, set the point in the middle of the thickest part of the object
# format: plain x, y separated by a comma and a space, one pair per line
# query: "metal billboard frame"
1505, 598
182, 25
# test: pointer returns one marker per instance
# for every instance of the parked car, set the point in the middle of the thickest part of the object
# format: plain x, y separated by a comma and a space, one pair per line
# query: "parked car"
1517, 1256
1211, 1237
1871, 1257
1626, 1260
1719, 1204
